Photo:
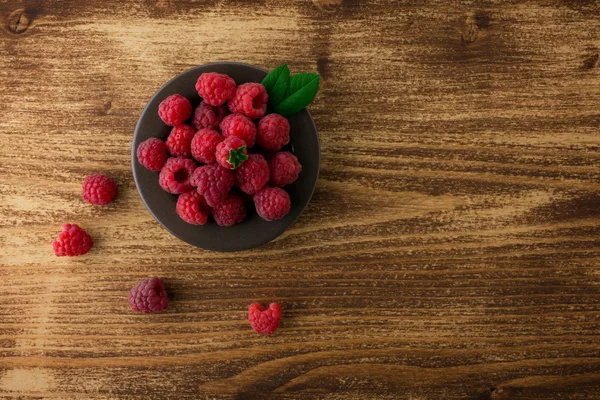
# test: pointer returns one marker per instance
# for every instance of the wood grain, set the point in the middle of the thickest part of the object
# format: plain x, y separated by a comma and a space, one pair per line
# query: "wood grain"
451, 250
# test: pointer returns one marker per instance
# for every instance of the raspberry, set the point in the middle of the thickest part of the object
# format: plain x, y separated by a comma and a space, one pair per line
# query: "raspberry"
230, 211
284, 168
180, 140
250, 99
72, 241
213, 182
192, 208
175, 175
206, 116
272, 203
204, 145
174, 110
231, 152
264, 321
99, 189
148, 296
273, 132
241, 126
252, 175
152, 154
215, 88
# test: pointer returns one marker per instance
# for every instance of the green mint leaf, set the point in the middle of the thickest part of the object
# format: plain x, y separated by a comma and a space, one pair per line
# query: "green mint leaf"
301, 91
276, 83
237, 156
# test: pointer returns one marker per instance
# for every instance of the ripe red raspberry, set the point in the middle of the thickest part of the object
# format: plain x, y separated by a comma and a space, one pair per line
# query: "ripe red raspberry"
252, 175
180, 140
148, 296
175, 175
215, 88
273, 132
99, 189
250, 99
264, 321
213, 182
241, 126
231, 152
272, 203
230, 211
192, 208
284, 168
152, 154
174, 110
72, 241
206, 116
204, 145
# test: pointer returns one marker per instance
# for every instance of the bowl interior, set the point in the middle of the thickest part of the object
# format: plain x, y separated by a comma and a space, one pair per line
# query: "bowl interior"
253, 231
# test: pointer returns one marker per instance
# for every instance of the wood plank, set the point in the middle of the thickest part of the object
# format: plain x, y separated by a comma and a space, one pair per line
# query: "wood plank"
450, 251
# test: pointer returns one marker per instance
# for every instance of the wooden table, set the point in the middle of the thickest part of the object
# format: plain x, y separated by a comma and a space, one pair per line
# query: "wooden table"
451, 250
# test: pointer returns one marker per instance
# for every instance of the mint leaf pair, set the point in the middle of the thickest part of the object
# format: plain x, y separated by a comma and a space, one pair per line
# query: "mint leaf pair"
290, 94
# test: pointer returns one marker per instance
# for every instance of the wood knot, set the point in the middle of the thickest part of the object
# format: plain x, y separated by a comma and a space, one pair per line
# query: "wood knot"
470, 32
473, 25
328, 5
18, 21
591, 61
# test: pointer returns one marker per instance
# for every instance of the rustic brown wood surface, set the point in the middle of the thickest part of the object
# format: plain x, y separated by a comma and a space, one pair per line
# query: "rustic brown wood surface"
451, 250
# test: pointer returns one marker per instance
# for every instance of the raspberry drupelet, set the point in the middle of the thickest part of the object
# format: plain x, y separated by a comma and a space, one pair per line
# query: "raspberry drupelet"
241, 126
215, 88
192, 208
273, 132
99, 189
213, 182
284, 169
252, 175
231, 152
249, 99
180, 140
175, 175
206, 116
230, 211
264, 321
72, 241
272, 203
174, 110
152, 154
148, 296
204, 145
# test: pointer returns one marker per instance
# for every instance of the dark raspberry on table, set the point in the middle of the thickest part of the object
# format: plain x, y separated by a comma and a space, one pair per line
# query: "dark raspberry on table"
175, 175
272, 203
99, 189
241, 126
72, 241
273, 132
230, 211
252, 175
180, 140
152, 154
204, 145
213, 182
249, 99
206, 116
231, 152
174, 110
264, 321
148, 296
192, 208
215, 89
284, 168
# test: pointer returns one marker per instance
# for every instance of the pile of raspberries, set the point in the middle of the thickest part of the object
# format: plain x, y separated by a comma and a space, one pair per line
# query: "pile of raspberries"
228, 153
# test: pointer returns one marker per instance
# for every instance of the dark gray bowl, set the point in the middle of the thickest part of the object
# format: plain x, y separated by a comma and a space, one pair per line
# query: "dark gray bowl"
253, 231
